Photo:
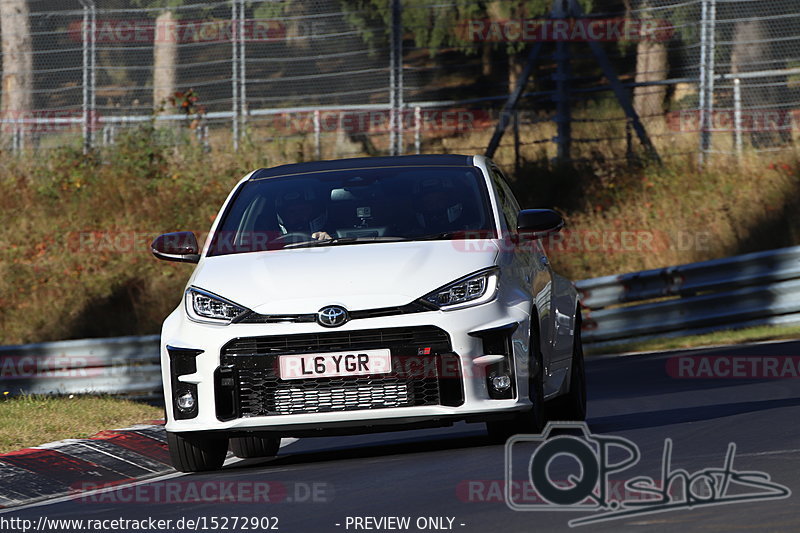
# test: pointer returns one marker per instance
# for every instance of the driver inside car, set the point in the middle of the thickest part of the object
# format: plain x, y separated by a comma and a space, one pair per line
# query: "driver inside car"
298, 212
438, 207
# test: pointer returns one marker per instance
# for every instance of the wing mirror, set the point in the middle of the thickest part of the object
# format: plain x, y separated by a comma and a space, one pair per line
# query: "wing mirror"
179, 246
536, 223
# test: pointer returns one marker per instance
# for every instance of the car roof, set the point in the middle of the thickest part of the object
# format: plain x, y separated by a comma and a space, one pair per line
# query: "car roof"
450, 160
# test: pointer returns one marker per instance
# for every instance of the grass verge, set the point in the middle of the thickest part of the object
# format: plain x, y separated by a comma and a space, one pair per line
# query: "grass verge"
736, 336
31, 420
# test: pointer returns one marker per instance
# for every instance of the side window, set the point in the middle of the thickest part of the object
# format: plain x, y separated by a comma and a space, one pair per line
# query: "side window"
508, 204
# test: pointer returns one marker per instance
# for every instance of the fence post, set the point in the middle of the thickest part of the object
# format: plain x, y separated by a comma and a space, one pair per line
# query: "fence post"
85, 70
562, 75
396, 80
737, 115
707, 50
234, 77
398, 23
417, 129
242, 77
317, 135
18, 135
93, 118
88, 106
517, 163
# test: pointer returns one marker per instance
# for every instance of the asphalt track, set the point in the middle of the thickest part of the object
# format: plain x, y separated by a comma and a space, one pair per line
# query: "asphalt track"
457, 473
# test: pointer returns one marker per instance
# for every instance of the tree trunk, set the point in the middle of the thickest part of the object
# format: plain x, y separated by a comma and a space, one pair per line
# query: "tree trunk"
486, 59
516, 63
754, 50
651, 65
165, 57
17, 58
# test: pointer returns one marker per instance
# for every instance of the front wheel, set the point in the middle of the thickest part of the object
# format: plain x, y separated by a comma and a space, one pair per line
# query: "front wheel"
196, 452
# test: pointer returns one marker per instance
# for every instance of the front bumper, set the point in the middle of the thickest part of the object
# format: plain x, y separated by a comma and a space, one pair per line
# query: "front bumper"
467, 349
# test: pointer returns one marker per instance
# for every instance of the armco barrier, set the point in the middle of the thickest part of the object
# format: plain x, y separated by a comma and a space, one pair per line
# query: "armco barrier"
740, 291
128, 366
745, 290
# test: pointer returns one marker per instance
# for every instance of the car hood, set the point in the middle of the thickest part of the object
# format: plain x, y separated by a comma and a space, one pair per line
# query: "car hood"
355, 276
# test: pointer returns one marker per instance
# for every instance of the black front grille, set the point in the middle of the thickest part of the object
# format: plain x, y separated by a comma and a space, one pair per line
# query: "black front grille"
261, 393
338, 340
257, 389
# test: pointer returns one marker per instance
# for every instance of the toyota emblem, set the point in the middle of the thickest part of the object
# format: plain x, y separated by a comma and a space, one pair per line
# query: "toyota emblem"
332, 316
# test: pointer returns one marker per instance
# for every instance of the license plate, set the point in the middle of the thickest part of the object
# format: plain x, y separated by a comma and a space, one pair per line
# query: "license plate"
331, 365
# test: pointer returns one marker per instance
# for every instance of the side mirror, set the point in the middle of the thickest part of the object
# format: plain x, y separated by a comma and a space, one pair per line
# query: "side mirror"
179, 246
536, 223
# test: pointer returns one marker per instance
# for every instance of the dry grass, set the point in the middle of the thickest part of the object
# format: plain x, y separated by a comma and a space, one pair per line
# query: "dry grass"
59, 280
32, 420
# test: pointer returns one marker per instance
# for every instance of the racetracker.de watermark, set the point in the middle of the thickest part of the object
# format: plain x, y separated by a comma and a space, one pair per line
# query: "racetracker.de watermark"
733, 366
122, 31
126, 241
690, 120
208, 491
605, 241
569, 30
445, 120
48, 120
523, 491
14, 368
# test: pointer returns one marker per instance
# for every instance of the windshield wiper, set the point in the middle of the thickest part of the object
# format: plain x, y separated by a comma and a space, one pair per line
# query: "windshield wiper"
442, 235
344, 240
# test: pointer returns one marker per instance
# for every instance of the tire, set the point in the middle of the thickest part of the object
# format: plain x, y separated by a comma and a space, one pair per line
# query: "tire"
532, 420
196, 452
571, 406
251, 447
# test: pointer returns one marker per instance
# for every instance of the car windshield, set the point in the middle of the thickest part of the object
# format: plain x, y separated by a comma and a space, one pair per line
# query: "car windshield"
355, 206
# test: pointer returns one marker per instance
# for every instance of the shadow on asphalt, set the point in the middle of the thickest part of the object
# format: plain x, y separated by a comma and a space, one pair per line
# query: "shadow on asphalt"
635, 376
434, 444
651, 419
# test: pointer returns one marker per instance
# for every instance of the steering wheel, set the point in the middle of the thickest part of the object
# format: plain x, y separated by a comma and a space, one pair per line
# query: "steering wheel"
292, 237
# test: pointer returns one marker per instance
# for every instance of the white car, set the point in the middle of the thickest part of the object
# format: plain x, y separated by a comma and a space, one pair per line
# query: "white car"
368, 294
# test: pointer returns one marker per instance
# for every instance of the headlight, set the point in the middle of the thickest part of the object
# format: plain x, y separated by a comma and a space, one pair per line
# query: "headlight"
474, 289
203, 306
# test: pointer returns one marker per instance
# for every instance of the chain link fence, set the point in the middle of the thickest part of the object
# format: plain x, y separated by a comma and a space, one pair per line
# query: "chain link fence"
750, 74
347, 77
